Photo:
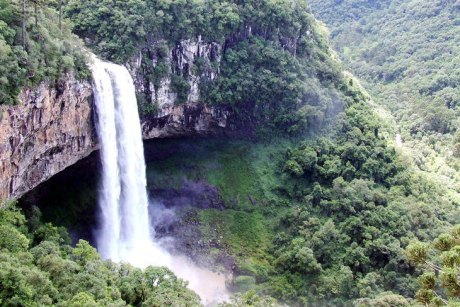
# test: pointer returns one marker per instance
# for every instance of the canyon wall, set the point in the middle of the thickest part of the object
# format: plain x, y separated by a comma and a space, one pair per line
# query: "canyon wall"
52, 127
48, 130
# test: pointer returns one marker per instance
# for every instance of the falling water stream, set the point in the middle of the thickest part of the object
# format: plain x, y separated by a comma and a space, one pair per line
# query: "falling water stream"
125, 233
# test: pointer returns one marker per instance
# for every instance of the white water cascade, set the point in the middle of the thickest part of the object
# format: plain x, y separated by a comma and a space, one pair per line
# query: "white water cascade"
124, 232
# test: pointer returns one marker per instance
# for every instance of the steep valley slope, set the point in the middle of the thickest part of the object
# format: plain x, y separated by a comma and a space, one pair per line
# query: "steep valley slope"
301, 194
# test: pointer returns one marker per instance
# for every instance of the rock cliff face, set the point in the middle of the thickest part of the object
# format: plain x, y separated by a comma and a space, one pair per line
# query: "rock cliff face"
192, 119
178, 111
186, 63
52, 127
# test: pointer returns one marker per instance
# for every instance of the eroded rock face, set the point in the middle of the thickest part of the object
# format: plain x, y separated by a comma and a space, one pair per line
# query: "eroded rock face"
50, 129
53, 128
181, 60
187, 120
174, 118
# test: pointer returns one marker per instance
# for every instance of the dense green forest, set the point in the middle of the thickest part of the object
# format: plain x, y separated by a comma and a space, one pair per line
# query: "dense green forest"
439, 260
407, 54
325, 221
36, 45
39, 268
339, 217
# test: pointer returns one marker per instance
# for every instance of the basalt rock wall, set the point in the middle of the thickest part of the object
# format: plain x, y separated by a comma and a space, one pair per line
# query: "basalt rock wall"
52, 127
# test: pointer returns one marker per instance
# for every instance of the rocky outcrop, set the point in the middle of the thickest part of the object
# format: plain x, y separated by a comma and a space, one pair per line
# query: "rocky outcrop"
50, 129
190, 61
187, 120
174, 118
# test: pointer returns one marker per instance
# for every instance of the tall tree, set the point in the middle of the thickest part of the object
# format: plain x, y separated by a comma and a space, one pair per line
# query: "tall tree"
23, 24
36, 4
60, 15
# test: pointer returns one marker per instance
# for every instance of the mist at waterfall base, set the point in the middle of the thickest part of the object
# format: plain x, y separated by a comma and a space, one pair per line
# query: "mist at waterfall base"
126, 231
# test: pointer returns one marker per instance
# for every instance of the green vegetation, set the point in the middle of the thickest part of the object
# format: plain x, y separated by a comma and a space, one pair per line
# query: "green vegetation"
323, 221
355, 206
272, 65
407, 54
440, 262
410, 71
335, 219
244, 234
271, 83
35, 46
38, 268
134, 24
242, 229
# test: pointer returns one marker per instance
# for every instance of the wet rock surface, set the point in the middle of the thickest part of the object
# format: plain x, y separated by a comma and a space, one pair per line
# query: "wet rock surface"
188, 120
179, 230
180, 60
175, 213
69, 198
197, 194
53, 125
51, 130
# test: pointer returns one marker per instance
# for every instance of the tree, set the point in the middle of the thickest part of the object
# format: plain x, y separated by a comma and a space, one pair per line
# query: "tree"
60, 14
457, 144
23, 24
442, 271
84, 253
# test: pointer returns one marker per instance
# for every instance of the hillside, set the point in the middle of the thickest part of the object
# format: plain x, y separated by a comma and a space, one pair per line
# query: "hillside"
407, 55
313, 203
269, 61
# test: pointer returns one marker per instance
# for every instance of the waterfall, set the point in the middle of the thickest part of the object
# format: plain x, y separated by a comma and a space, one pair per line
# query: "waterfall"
124, 233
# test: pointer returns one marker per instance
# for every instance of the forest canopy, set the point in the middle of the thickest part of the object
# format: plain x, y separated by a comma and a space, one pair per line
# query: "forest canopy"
35, 45
336, 218
407, 55
39, 268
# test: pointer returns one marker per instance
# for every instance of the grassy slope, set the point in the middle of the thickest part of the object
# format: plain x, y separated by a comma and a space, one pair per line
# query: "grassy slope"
244, 176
